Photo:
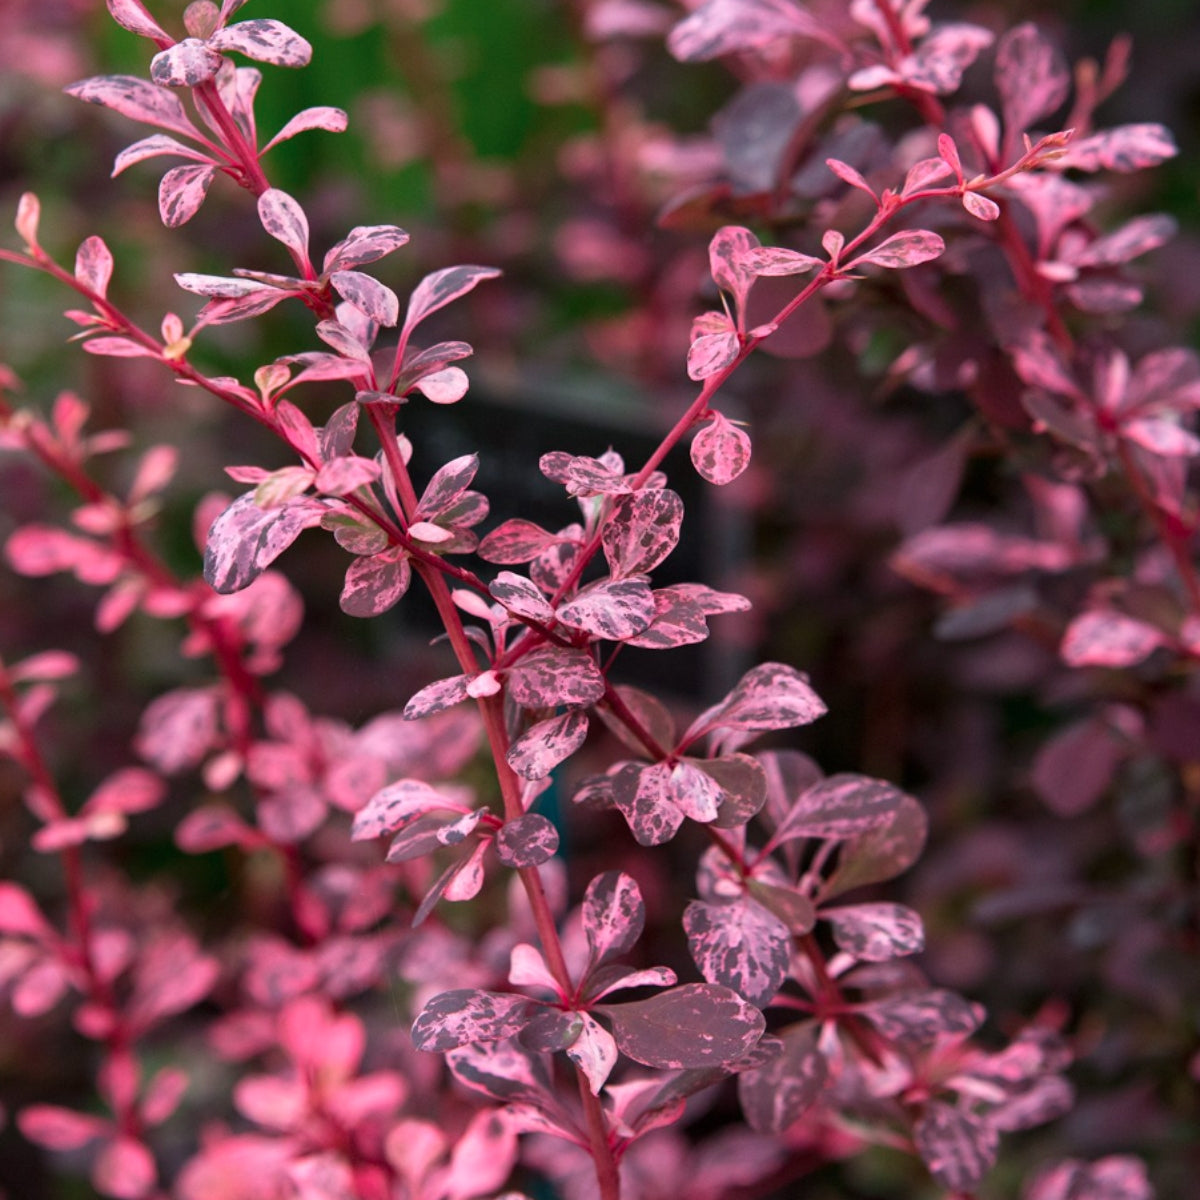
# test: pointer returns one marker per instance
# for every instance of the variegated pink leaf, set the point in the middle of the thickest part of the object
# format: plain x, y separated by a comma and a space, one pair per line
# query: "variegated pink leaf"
124, 1167
181, 191
712, 352
447, 486
341, 476
641, 531
769, 696
614, 916
131, 15
343, 339
642, 795
926, 173
188, 63
527, 841
728, 258
613, 609
59, 1128
369, 296
94, 265
876, 932
696, 1025
178, 729
543, 746
720, 451
847, 174
681, 612
437, 696
264, 41
981, 206
774, 260
942, 57
921, 1018
1109, 639
467, 1016
840, 807
284, 219
901, 250
1130, 241
515, 541
740, 945
521, 596
332, 120
1124, 149
720, 27
395, 804
1163, 436
774, 1096
594, 1052
741, 787
694, 792
245, 539
505, 1072
583, 475
375, 583
439, 289
1116, 1177
554, 675
135, 98
364, 244
884, 851
958, 1147
221, 287
118, 347
447, 386
1031, 77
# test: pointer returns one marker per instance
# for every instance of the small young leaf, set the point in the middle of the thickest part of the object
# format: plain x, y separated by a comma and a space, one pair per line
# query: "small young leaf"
188, 63
332, 120
613, 915
181, 191
94, 265
527, 841
901, 250
368, 295
1100, 638
265, 41
363, 244
720, 451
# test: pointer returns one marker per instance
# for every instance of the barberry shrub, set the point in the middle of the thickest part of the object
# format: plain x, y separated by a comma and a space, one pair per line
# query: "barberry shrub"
517, 914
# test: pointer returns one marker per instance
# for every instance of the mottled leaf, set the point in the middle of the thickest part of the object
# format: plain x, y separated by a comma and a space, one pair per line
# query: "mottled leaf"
284, 219
1124, 149
776, 1095
466, 1016
882, 852
840, 807
613, 915
181, 191
375, 583
641, 531
906, 249
720, 451
958, 1147
439, 289
332, 120
521, 596
364, 244
264, 41
613, 609
526, 841
923, 1017
135, 98
876, 932
1031, 77
188, 63
515, 541
245, 539
437, 696
554, 675
368, 295
543, 746
740, 945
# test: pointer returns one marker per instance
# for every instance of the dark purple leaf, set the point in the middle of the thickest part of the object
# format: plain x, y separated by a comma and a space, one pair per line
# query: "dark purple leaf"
284, 219
641, 531
740, 945
906, 249
775, 1095
521, 596
368, 295
188, 63
681, 612
696, 1025
642, 794
527, 841
374, 583
876, 932
467, 1016
742, 787
613, 609
840, 807
958, 1147
1075, 767
135, 98
543, 746
1031, 77
613, 915
245, 539
432, 699
181, 191
1109, 639
439, 289
264, 41
720, 451
883, 852
792, 906
923, 1017
554, 675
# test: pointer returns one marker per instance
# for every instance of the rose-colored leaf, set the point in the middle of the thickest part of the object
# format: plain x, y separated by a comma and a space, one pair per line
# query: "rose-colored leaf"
841, 807
643, 796
188, 63
728, 258
181, 191
521, 596
374, 583
776, 1095
135, 98
720, 451
447, 386
876, 932
125, 1169
515, 541
368, 295
1109, 639
641, 531
332, 120
923, 1017
1124, 149
1116, 1177
925, 173
341, 476
264, 41
774, 260
446, 487
467, 1016
696, 1025
364, 244
284, 219
59, 1128
94, 265
439, 289
720, 27
769, 696
213, 827
613, 609
740, 945
594, 1051
432, 699
614, 915
583, 475
178, 729
554, 675
245, 539
981, 206
131, 15
1130, 241
957, 1146
1031, 77
845, 172
901, 250
527, 841
390, 807
543, 746
681, 612
882, 852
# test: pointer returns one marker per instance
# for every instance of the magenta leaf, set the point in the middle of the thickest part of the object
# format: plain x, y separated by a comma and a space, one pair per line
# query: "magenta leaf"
729, 260
923, 1017
613, 915
375, 583
981, 206
94, 265
1124, 149
901, 250
264, 41
1116, 1177
1074, 767
1109, 639
188, 63
59, 1128
884, 851
390, 807
720, 27
774, 260
925, 173
876, 932
594, 1051
583, 475
446, 487
345, 474
179, 728
213, 827
506, 1072
681, 612
643, 796
467, 1016
554, 675
847, 174
720, 451
124, 1168
775, 1095
515, 541
181, 191
840, 807
695, 1025
740, 945
284, 219
958, 1147
439, 289
368, 295
712, 352
437, 696
1031, 77
527, 841
364, 244
245, 539
332, 120
19, 914
641, 531
613, 609
135, 98
521, 596
132, 16
543, 746
769, 696
741, 787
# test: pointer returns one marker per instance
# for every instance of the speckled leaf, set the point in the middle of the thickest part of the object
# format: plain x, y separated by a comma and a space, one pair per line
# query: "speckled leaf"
720, 451
641, 531
554, 675
642, 794
720, 27
613, 915
135, 98
446, 487
132, 16
841, 806
391, 806
876, 932
543, 746
1109, 639
181, 191
467, 1016
583, 475
696, 1025
284, 219
712, 352
526, 841
188, 63
923, 1017
740, 945
958, 1148
742, 785
521, 596
681, 614
436, 696
1031, 77
94, 265
514, 542
694, 792
769, 696
374, 583
364, 244
613, 609
245, 539
883, 852
594, 1052
264, 41
323, 116
776, 1095
439, 289
901, 250
368, 295
1125, 148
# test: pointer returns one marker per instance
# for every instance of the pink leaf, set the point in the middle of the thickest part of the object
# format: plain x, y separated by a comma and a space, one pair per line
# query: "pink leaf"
845, 172
188, 63
19, 914
712, 352
681, 612
594, 1051
883, 851
901, 250
128, 790
774, 260
284, 219
925, 173
515, 541
775, 1096
437, 696
264, 41
527, 841
125, 1169
840, 807
446, 386
1133, 239
213, 827
769, 696
482, 1158
1124, 149
1117, 1177
724, 26
923, 1017
118, 347
343, 475
94, 266
130, 14
1109, 639
641, 531
363, 244
696, 1025
245, 539
181, 191
720, 451
439, 289
1031, 77
643, 797
876, 932
521, 596
332, 120
981, 206
375, 583
467, 1016
956, 1146
368, 295
178, 729
583, 475
610, 609
613, 915
395, 804
728, 256
543, 746
135, 98
59, 1128
446, 488
554, 675
1161, 435
740, 945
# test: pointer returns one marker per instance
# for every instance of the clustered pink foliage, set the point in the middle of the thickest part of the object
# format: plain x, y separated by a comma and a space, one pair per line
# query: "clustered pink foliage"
549, 1045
